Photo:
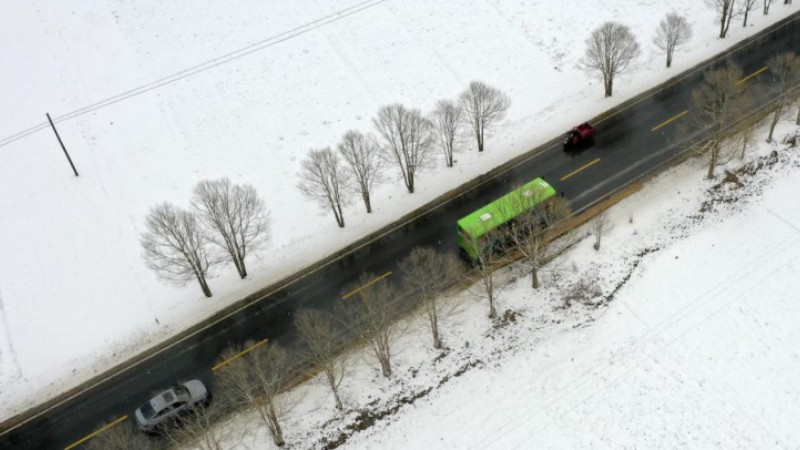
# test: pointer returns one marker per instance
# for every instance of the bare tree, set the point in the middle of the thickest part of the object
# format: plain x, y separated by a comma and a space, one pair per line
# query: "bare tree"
446, 119
532, 234
785, 71
727, 10
484, 106
372, 313
490, 258
407, 140
362, 154
175, 247
744, 137
234, 216
426, 274
255, 380
611, 50
317, 332
121, 437
200, 429
325, 180
600, 225
673, 31
767, 4
747, 6
717, 103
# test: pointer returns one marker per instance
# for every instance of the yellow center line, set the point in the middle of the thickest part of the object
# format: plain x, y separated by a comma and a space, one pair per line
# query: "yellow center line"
356, 291
239, 355
77, 443
754, 74
585, 166
670, 120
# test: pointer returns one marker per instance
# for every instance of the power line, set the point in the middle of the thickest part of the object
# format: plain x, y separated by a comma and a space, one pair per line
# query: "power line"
194, 70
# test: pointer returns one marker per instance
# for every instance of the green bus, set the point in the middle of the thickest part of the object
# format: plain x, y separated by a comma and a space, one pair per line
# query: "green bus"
473, 227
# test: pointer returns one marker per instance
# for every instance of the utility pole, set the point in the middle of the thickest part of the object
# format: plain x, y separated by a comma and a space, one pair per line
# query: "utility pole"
62, 144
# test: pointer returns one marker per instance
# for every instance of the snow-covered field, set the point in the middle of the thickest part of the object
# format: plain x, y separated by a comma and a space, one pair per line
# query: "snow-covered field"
691, 344
245, 92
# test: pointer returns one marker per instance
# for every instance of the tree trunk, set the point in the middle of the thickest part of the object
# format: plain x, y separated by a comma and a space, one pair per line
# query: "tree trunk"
386, 364
479, 137
723, 29
339, 216
437, 341
774, 122
235, 258
712, 164
746, 13
609, 86
534, 277
203, 285
365, 196
406, 171
669, 58
275, 426
798, 114
332, 383
240, 267
410, 182
492, 311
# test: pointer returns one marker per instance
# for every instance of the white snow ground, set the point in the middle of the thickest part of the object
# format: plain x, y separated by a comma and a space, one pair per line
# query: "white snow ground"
697, 349
75, 295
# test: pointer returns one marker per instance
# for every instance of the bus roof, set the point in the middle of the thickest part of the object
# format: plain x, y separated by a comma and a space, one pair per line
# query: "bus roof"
506, 207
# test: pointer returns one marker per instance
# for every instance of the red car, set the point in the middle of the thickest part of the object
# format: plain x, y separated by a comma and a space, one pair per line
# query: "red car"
580, 135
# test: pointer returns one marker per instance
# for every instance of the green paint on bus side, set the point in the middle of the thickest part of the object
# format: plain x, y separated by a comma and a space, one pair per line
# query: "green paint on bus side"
488, 218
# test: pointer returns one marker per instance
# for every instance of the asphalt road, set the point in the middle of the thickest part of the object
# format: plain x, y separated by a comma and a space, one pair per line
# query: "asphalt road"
626, 146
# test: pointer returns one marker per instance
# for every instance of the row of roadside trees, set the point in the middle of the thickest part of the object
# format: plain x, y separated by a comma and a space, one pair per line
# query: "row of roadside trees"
612, 49
722, 101
403, 138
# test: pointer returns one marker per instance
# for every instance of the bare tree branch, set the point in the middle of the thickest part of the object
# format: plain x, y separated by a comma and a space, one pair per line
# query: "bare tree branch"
747, 6
234, 216
446, 119
362, 154
407, 140
767, 4
532, 234
727, 10
325, 180
490, 257
121, 437
785, 71
200, 429
611, 50
484, 106
717, 102
426, 274
372, 312
600, 225
175, 248
317, 331
255, 380
672, 32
